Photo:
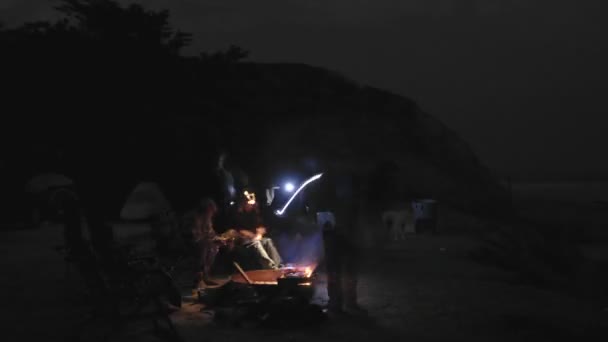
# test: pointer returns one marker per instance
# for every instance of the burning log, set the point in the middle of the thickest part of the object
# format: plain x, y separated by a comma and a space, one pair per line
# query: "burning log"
279, 297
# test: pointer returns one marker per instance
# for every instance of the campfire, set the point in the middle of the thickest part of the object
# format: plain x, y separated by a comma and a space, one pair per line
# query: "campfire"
273, 298
300, 275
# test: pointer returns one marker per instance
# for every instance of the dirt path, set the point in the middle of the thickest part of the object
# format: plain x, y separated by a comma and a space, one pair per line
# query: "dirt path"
425, 290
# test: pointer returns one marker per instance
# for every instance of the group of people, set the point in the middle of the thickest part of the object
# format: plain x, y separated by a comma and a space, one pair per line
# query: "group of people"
232, 220
249, 245
334, 202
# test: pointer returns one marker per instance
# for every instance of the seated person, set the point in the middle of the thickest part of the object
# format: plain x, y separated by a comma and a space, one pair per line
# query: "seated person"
254, 250
262, 248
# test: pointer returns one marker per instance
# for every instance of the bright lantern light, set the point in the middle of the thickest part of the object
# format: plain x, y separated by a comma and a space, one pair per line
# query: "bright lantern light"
289, 187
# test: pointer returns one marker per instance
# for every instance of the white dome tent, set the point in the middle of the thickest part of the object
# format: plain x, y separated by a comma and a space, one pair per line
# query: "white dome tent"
145, 203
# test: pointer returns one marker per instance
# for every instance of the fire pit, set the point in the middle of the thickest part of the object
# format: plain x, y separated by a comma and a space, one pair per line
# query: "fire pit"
292, 280
275, 298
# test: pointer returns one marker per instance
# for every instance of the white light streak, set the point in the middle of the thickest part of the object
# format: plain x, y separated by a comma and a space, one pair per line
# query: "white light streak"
310, 180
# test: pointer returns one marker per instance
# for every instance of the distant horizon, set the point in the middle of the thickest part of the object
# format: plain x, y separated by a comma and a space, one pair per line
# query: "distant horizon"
557, 180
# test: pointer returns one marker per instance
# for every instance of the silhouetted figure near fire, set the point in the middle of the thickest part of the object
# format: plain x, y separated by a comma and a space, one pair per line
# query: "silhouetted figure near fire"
336, 202
223, 192
205, 238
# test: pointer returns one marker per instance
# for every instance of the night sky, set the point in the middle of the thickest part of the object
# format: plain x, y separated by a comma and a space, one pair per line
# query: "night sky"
523, 81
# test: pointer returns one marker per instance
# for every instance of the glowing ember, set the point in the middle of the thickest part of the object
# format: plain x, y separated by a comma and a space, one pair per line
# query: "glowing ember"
265, 283
297, 271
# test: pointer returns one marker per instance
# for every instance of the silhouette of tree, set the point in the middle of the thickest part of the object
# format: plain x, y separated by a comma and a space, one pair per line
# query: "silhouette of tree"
231, 55
107, 85
106, 20
99, 83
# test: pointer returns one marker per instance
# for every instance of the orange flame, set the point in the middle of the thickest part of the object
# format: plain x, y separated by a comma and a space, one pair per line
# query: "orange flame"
250, 197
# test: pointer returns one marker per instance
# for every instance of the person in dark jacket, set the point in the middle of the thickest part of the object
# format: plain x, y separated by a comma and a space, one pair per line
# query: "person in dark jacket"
66, 202
335, 201
223, 192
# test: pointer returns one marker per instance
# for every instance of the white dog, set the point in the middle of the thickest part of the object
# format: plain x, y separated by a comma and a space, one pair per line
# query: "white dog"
400, 223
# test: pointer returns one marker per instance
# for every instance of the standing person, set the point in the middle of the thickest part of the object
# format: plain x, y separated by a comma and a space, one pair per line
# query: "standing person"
336, 202
205, 237
224, 192
66, 202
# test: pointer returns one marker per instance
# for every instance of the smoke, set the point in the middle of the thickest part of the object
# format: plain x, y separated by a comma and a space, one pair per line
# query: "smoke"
301, 249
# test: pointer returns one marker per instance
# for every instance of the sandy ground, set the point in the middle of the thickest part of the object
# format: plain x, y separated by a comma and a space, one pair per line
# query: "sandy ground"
425, 289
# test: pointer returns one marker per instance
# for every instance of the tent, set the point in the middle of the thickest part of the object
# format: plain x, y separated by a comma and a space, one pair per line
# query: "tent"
145, 201
46, 181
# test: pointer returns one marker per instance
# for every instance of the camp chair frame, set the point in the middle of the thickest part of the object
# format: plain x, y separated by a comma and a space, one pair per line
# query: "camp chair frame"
127, 280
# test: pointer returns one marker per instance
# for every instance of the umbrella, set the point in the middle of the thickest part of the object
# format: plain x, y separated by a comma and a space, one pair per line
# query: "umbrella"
44, 182
146, 200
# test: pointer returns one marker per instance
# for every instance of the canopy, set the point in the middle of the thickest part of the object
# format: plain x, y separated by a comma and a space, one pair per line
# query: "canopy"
146, 200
